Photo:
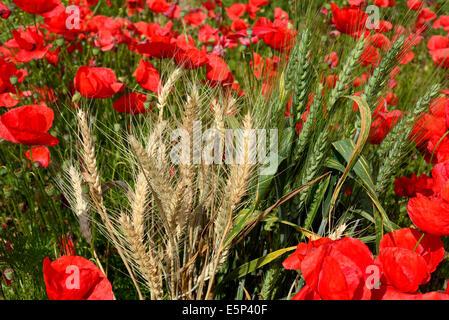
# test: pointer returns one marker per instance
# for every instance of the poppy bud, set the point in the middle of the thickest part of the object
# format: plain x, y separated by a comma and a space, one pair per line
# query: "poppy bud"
49, 189
13, 80
59, 42
76, 97
18, 172
7, 191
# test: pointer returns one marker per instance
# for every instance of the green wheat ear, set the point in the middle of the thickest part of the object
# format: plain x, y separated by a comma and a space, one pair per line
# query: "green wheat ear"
306, 132
314, 164
344, 78
299, 74
394, 147
382, 73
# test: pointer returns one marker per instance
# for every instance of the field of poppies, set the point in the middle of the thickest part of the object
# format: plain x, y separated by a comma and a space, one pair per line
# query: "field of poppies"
254, 150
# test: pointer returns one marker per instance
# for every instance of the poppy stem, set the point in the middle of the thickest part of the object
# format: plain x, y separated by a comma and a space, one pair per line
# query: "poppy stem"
420, 239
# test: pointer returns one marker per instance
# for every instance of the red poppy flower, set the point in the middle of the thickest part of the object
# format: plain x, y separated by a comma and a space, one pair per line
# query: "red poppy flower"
441, 57
442, 21
40, 155
160, 42
58, 24
158, 6
97, 82
46, 8
132, 103
187, 55
370, 56
147, 76
431, 215
134, 6
66, 246
414, 4
385, 3
4, 11
337, 270
293, 262
332, 59
404, 269
426, 127
306, 294
349, 20
278, 34
357, 3
391, 293
75, 278
29, 44
437, 42
8, 71
410, 187
382, 124
384, 26
236, 10
280, 14
195, 18
217, 71
28, 125
430, 247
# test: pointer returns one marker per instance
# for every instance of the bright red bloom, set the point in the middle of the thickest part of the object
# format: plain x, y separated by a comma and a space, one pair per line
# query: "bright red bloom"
8, 71
160, 42
58, 24
187, 55
410, 187
132, 103
332, 59
278, 34
414, 4
293, 262
75, 278
306, 294
236, 10
430, 247
382, 124
28, 125
46, 8
441, 57
442, 21
349, 20
66, 246
391, 293
337, 270
4, 11
147, 76
370, 56
40, 155
437, 42
426, 127
385, 3
158, 6
217, 71
357, 3
404, 269
29, 44
97, 82
280, 14
431, 215
195, 18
